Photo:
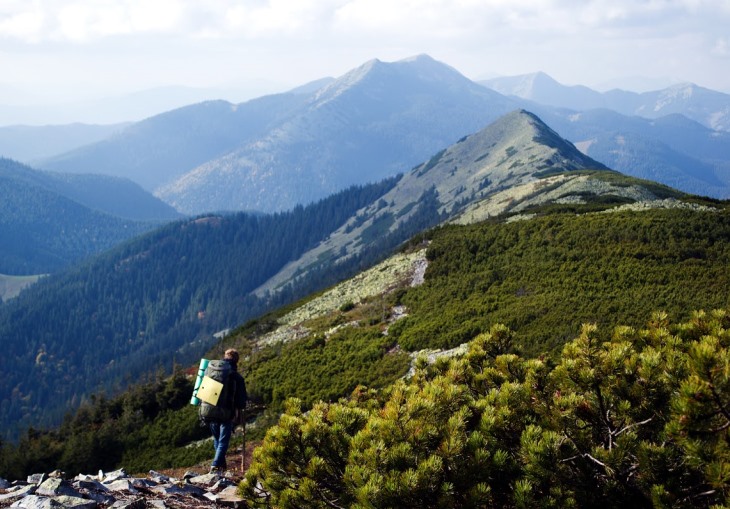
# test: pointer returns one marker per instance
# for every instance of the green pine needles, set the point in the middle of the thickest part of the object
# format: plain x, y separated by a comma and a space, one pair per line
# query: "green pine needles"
640, 420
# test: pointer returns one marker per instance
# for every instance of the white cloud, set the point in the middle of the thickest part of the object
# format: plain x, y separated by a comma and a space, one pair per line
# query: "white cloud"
722, 47
22, 20
179, 41
84, 20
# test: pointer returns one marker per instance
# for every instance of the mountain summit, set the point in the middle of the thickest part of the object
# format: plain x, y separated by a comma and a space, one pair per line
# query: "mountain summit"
513, 164
373, 122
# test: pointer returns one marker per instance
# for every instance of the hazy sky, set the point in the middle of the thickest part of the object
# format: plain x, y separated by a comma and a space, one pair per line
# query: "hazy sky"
68, 50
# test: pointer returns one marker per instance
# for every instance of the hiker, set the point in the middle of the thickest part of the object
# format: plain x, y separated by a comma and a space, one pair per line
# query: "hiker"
222, 427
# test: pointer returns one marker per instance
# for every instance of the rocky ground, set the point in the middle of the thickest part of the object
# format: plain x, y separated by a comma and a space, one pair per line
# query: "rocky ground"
173, 489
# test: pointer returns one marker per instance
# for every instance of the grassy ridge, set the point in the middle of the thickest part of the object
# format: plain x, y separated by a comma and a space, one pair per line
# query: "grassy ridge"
545, 277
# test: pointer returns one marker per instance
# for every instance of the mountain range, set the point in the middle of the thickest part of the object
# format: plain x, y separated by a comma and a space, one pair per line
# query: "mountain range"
708, 107
272, 153
163, 295
275, 152
380, 119
673, 149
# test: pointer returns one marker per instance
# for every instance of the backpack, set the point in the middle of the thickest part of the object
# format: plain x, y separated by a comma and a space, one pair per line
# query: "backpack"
217, 392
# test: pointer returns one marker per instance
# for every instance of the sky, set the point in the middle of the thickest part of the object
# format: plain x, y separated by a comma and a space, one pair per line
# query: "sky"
76, 51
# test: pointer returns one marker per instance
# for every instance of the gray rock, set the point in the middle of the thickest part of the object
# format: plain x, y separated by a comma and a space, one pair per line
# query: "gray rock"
172, 489
35, 502
137, 503
74, 502
17, 494
168, 489
36, 478
221, 485
91, 485
205, 479
86, 477
142, 483
229, 497
121, 491
122, 485
158, 477
114, 476
39, 502
4, 484
101, 498
54, 486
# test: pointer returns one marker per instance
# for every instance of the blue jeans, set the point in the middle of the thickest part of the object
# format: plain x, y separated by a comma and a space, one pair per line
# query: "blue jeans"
221, 432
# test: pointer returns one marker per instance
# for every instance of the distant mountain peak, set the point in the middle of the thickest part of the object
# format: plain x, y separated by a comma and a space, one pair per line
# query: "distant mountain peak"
347, 80
680, 91
421, 57
419, 67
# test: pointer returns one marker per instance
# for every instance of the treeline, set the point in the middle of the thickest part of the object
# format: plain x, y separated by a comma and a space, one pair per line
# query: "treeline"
639, 420
101, 324
147, 427
377, 243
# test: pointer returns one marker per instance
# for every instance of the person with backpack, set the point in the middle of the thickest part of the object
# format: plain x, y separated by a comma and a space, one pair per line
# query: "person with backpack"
222, 417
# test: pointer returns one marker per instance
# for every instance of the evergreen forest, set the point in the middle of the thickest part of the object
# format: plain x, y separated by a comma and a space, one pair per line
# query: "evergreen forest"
150, 302
43, 232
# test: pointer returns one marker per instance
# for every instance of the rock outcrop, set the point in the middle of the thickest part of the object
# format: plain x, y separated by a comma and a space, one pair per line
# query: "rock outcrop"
119, 490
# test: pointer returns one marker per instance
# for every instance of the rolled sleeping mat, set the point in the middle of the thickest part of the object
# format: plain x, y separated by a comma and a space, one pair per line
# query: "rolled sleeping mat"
201, 372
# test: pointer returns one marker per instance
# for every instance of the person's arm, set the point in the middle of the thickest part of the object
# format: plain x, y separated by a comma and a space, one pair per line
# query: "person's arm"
241, 394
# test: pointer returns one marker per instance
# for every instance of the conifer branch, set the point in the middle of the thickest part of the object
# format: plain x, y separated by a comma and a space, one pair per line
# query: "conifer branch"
634, 425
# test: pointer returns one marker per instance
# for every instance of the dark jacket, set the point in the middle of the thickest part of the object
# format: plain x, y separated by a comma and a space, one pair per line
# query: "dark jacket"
240, 396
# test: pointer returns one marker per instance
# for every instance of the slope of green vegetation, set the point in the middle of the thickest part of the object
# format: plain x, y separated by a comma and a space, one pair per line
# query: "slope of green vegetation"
543, 278
546, 276
640, 420
101, 324
149, 426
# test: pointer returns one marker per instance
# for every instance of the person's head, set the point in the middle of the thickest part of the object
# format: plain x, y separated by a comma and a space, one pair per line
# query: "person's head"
231, 355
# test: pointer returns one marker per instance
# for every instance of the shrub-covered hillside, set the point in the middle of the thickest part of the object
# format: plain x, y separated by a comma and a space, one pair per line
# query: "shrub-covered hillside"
542, 277
641, 420
546, 276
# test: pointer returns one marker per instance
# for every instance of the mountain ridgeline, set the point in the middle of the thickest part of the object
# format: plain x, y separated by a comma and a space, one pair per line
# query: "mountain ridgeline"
381, 118
708, 107
529, 233
274, 152
162, 296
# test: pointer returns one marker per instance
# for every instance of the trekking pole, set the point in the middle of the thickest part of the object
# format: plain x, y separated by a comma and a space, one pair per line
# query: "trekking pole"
243, 455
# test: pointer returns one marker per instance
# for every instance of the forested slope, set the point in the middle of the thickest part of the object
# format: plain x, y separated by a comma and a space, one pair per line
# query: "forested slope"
143, 304
42, 231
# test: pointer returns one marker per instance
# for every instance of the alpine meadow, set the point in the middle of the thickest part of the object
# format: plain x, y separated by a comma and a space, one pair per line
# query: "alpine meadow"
444, 293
